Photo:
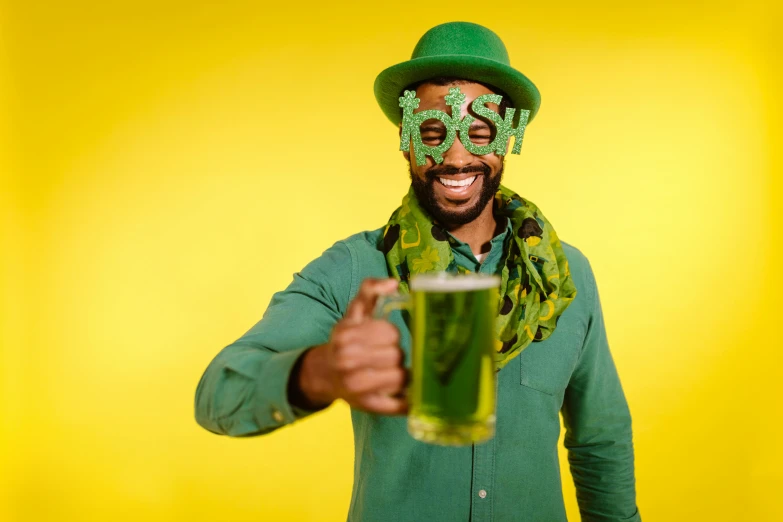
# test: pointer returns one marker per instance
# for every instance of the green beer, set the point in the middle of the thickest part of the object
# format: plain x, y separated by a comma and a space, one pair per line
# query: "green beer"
452, 391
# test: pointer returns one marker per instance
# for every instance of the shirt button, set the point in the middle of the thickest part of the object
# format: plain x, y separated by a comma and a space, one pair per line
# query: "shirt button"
277, 415
483, 493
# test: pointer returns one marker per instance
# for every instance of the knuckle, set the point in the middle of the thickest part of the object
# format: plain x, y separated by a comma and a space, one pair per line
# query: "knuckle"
343, 336
344, 362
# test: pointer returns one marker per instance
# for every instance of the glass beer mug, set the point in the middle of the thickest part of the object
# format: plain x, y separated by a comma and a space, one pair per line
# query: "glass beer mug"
452, 392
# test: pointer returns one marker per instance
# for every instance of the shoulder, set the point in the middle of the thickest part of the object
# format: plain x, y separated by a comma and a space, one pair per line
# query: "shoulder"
367, 257
571, 249
366, 250
344, 251
581, 271
577, 260
367, 240
341, 268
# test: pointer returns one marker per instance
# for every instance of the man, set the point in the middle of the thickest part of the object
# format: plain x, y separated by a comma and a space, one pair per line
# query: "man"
318, 340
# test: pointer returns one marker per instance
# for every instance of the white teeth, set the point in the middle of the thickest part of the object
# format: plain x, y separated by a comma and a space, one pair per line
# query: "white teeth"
452, 183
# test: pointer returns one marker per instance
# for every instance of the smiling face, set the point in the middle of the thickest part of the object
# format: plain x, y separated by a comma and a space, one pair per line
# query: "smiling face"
458, 190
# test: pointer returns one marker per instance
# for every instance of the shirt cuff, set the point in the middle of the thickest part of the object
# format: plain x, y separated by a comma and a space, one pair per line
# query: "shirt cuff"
273, 390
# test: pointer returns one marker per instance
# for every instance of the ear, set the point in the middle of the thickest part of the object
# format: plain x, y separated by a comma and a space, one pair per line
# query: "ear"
406, 153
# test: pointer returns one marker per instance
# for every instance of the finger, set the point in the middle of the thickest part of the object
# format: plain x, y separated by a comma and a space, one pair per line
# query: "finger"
372, 332
376, 332
396, 391
383, 404
355, 357
369, 344
361, 308
397, 388
370, 380
385, 356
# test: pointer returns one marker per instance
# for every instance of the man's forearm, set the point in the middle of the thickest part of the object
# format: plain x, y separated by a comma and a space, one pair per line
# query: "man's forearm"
244, 391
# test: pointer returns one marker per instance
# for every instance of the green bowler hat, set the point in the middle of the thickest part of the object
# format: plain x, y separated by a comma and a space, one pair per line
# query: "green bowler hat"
459, 49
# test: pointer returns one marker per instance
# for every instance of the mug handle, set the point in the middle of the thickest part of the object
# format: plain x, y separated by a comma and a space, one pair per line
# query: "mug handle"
386, 304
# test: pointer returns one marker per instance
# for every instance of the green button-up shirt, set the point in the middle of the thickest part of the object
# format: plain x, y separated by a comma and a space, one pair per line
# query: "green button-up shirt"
513, 477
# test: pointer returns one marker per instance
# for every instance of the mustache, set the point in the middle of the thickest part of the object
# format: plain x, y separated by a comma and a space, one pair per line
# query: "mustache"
449, 170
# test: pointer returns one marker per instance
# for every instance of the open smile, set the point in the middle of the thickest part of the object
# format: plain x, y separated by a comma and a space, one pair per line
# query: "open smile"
457, 186
466, 182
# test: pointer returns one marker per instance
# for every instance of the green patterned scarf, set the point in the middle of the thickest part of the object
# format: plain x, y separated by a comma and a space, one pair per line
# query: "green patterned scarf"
536, 285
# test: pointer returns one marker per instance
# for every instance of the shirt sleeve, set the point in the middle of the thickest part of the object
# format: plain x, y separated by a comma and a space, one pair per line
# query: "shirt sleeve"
598, 428
243, 391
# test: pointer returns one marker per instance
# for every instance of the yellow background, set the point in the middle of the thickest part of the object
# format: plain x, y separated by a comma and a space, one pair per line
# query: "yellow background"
161, 178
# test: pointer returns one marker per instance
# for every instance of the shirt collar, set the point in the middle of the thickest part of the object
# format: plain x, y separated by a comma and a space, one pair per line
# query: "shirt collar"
495, 242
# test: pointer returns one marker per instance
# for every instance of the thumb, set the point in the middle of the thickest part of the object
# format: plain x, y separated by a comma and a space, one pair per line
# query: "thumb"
361, 308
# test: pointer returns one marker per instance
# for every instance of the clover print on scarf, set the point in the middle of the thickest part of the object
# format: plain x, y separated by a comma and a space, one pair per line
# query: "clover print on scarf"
426, 261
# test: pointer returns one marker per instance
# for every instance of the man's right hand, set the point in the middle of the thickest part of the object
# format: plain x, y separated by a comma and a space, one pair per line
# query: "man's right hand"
362, 363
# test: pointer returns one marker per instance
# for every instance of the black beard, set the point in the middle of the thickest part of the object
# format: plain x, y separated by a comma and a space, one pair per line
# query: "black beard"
425, 193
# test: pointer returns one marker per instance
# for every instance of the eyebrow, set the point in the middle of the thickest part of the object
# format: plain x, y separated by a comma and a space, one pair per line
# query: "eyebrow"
479, 125
433, 128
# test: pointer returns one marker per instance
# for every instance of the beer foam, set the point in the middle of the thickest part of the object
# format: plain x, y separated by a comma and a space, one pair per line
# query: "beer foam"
443, 282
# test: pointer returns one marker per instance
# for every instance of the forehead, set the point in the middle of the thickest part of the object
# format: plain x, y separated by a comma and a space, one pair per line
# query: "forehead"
433, 96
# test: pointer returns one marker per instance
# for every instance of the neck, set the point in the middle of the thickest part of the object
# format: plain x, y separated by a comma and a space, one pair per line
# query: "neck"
479, 232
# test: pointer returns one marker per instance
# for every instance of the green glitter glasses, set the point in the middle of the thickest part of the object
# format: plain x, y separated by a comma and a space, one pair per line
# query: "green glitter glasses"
412, 130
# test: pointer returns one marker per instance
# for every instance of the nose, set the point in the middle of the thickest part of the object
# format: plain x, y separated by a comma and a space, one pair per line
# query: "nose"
457, 156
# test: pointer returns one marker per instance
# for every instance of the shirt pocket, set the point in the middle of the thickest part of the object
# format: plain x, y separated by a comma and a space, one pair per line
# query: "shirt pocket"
547, 366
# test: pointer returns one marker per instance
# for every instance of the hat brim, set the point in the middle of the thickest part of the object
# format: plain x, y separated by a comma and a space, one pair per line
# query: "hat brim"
391, 81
